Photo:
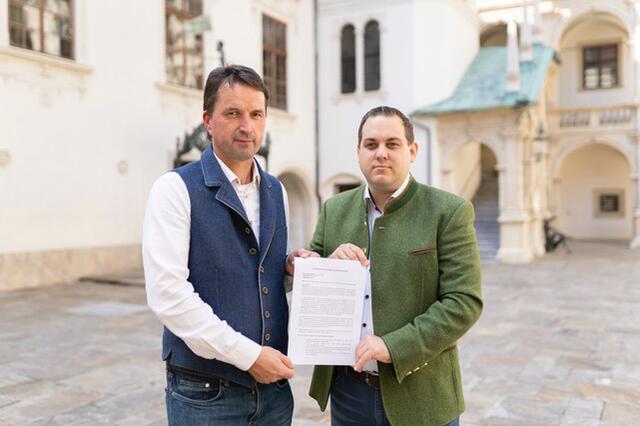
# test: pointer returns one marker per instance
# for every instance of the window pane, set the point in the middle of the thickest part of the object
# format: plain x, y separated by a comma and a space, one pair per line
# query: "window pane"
600, 66
24, 25
184, 59
274, 60
348, 59
371, 57
62, 7
609, 203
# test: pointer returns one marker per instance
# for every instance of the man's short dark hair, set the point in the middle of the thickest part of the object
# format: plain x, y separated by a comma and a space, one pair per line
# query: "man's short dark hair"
388, 111
230, 75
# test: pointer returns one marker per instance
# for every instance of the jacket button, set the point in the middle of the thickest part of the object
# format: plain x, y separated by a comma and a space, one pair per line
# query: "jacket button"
262, 269
267, 314
267, 337
265, 290
247, 230
253, 251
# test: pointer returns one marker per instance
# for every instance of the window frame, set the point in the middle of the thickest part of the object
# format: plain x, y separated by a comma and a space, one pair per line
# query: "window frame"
183, 16
41, 7
597, 197
272, 79
618, 72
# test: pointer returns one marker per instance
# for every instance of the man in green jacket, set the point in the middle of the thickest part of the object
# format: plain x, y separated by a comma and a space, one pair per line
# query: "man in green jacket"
424, 288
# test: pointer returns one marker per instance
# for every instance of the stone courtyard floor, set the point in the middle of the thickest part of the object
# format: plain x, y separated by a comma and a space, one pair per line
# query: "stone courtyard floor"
558, 344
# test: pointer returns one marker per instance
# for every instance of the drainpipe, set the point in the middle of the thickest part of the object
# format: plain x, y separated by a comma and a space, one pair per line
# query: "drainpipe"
427, 130
316, 106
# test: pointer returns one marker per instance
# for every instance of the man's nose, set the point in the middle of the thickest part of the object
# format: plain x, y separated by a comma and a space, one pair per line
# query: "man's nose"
245, 123
381, 152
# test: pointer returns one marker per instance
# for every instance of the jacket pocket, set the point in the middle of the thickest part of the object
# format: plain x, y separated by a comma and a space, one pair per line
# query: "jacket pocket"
417, 252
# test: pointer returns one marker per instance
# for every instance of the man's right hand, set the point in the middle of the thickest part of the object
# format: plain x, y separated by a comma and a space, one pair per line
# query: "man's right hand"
271, 366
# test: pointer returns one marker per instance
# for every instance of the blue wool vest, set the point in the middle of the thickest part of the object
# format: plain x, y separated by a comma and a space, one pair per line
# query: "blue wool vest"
240, 279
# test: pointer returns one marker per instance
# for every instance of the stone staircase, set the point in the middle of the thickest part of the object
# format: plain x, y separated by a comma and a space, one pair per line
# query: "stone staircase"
487, 210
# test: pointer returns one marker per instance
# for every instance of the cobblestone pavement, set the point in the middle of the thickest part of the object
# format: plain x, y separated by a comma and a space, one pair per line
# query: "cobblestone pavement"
558, 344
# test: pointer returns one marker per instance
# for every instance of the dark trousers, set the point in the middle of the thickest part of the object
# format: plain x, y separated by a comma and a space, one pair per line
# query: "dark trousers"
353, 403
194, 400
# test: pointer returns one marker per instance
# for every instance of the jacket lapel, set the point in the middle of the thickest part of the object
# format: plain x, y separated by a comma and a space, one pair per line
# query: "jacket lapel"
267, 213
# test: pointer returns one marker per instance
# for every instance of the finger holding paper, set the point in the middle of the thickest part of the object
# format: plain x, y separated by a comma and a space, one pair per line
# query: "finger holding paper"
371, 348
350, 251
299, 252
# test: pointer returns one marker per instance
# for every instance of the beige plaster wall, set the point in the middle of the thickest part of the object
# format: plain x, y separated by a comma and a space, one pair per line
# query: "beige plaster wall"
585, 170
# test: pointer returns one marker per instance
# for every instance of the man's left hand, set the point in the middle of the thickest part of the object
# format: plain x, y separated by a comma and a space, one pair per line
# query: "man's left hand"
369, 348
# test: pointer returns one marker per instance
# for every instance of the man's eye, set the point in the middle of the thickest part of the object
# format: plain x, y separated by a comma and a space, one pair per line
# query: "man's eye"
232, 113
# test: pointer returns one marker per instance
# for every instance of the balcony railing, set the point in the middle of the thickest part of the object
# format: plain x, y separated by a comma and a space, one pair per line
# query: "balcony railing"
594, 118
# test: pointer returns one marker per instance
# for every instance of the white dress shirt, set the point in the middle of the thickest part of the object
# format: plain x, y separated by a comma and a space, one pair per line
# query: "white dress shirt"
367, 314
165, 254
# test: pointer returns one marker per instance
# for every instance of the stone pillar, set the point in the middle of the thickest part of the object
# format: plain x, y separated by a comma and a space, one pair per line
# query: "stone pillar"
4, 17
635, 242
359, 34
514, 220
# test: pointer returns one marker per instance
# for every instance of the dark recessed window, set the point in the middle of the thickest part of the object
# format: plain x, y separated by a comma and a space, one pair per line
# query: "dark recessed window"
600, 66
609, 203
341, 187
42, 25
372, 56
274, 60
184, 60
348, 59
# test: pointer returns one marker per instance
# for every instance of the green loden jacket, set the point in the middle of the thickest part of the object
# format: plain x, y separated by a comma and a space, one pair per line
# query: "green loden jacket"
426, 294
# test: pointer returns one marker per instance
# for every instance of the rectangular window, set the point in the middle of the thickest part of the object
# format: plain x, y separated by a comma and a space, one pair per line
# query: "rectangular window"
184, 58
42, 25
609, 203
600, 66
274, 60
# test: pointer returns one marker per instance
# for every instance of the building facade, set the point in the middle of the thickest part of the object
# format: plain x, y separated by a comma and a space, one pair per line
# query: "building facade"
93, 99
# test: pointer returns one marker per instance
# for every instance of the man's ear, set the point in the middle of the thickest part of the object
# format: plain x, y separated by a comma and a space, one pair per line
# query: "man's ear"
206, 120
413, 148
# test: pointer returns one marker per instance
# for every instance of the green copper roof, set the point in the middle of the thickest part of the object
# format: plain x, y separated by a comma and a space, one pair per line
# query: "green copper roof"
483, 85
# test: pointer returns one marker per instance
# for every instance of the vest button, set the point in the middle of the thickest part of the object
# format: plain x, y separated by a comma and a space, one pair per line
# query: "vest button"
252, 251
265, 290
247, 230
262, 269
267, 337
267, 314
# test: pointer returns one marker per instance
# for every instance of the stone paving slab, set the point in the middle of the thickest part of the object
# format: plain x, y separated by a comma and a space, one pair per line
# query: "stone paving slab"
558, 344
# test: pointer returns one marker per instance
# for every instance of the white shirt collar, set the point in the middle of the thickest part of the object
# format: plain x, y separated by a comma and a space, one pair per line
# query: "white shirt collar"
400, 190
233, 178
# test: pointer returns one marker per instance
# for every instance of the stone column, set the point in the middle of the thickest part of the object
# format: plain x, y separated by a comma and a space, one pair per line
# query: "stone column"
359, 34
4, 17
635, 242
514, 219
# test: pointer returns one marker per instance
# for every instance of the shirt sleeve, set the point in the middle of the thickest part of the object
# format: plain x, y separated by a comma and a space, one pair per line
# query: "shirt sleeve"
165, 255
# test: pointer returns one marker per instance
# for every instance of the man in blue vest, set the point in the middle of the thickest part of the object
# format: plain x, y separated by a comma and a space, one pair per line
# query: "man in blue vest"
214, 249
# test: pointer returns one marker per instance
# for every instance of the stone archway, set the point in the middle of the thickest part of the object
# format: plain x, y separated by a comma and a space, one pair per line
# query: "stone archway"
472, 173
301, 207
594, 192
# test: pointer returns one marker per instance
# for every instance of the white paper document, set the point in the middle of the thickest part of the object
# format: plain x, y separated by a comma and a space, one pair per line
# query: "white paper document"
326, 311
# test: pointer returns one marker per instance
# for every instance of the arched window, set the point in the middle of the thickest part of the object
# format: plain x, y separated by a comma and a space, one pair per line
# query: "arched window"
348, 59
372, 56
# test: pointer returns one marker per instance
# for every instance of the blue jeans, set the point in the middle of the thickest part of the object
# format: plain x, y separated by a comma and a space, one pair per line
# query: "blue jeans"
194, 400
355, 403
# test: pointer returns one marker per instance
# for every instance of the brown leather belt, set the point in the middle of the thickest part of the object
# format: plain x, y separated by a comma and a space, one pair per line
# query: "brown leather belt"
373, 380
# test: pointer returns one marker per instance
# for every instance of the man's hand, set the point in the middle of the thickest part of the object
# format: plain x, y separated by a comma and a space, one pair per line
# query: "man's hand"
369, 348
351, 252
271, 366
299, 252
